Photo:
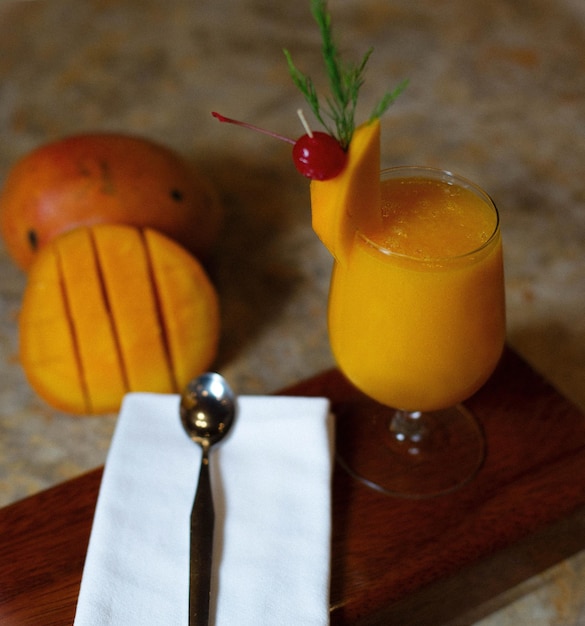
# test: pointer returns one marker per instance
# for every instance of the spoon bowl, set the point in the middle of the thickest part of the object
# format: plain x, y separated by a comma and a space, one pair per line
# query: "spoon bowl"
207, 411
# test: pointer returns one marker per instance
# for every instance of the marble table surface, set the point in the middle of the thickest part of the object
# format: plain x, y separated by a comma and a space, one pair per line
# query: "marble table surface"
497, 93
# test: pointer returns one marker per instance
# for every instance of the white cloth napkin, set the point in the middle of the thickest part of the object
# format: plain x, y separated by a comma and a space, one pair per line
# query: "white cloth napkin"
271, 482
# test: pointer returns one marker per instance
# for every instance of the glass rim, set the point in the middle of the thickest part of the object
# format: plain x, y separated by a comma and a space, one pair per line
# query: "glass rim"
445, 175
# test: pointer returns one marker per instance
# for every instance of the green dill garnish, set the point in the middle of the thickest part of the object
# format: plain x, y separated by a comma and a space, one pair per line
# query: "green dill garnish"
345, 81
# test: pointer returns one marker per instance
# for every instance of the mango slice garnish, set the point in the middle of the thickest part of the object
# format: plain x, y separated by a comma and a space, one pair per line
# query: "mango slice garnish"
341, 205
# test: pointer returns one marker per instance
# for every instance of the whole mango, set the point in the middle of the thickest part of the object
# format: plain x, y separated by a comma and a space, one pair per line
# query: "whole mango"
105, 178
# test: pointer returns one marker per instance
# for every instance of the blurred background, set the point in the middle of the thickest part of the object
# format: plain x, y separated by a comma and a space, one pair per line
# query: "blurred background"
496, 93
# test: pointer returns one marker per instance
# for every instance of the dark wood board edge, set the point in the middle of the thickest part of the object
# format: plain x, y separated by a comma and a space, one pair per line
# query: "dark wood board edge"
41, 586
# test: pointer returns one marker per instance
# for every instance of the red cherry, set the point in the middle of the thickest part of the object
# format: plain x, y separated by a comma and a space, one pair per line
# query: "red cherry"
316, 155
319, 156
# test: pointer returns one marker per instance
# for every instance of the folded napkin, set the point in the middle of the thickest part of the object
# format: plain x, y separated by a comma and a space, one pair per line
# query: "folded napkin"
271, 486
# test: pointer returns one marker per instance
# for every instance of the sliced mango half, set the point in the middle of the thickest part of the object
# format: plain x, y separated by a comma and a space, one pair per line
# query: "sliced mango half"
111, 309
350, 201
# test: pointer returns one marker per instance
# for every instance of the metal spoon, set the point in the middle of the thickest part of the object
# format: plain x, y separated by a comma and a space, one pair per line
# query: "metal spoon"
207, 409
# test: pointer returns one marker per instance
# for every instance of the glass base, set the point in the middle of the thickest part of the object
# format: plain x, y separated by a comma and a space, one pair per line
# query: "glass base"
410, 455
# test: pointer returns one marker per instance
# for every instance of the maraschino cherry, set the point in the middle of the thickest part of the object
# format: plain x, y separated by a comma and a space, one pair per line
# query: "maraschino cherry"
316, 155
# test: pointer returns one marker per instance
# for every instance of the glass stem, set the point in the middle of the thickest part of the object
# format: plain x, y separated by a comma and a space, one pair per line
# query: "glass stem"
408, 426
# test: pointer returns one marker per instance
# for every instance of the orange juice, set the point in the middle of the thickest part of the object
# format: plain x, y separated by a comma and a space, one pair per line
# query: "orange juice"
416, 310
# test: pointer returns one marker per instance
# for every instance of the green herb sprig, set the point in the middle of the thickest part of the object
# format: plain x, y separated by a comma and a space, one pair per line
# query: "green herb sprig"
345, 81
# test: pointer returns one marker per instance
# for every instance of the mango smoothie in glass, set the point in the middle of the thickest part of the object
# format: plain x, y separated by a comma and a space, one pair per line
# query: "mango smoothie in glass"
416, 303
417, 322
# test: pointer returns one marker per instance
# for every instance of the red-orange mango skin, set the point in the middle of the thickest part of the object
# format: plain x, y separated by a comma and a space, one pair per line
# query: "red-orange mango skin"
97, 178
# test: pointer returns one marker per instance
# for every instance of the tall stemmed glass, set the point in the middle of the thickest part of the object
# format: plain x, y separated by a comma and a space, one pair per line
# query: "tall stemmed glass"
417, 322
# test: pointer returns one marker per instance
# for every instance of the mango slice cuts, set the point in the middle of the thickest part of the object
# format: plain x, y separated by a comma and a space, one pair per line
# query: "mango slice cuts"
185, 296
52, 350
93, 330
110, 309
341, 204
132, 300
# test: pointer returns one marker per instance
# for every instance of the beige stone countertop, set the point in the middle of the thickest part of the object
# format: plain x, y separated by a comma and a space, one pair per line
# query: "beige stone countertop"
497, 93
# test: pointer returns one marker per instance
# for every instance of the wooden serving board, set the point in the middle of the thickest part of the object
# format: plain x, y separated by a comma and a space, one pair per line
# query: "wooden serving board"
394, 561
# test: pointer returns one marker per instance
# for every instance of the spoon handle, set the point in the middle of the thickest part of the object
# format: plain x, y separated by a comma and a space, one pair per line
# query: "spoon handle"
202, 521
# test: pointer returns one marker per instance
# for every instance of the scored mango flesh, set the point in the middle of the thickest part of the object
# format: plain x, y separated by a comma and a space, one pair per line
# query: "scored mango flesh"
112, 309
341, 204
